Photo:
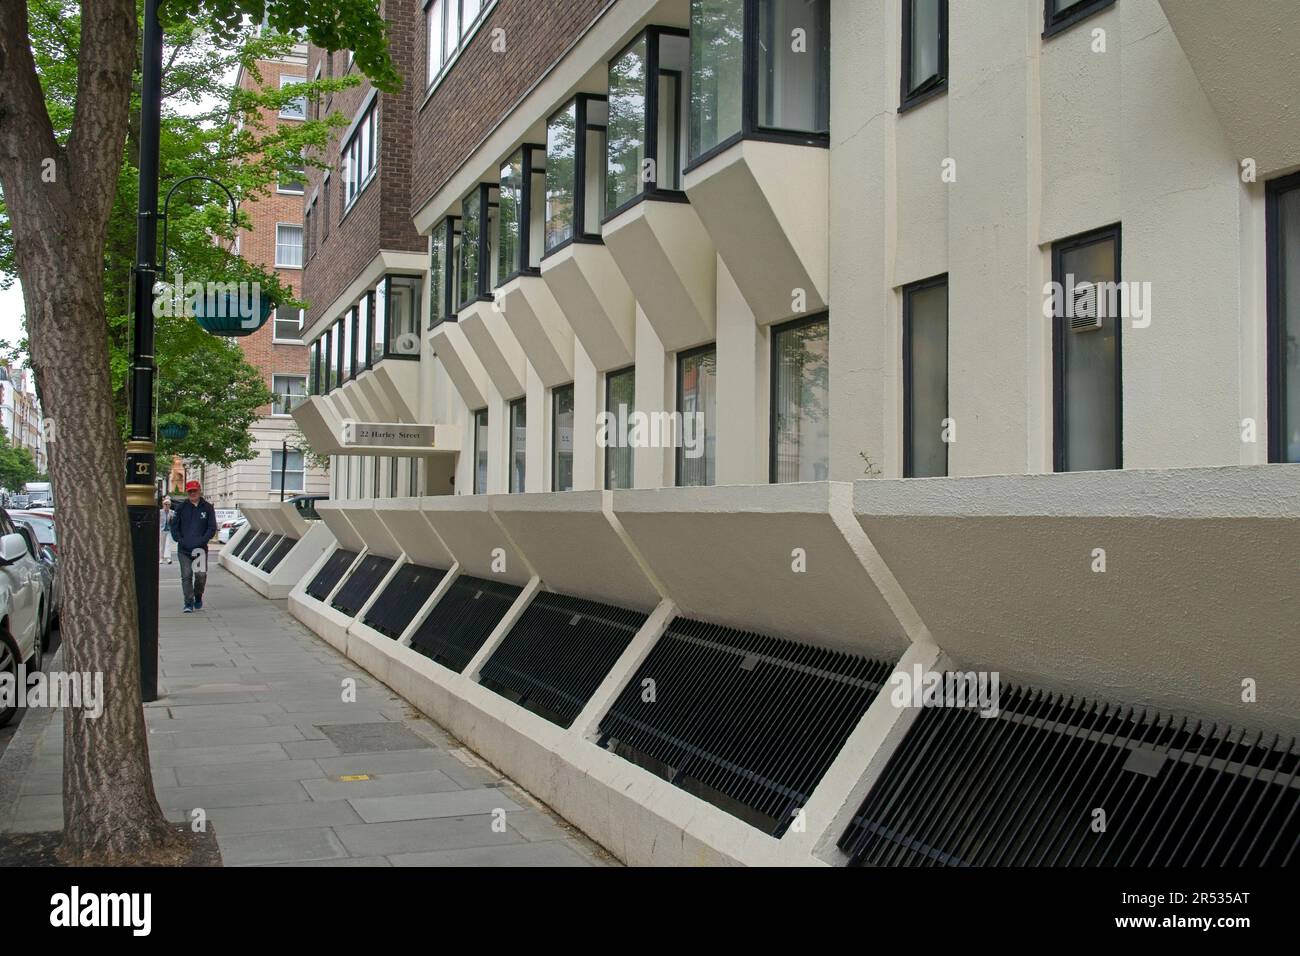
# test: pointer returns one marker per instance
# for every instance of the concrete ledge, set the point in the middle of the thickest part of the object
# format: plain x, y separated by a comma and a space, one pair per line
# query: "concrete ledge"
335, 515
474, 537
412, 533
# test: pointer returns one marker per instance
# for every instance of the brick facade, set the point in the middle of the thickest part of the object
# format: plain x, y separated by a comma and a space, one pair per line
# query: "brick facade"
483, 85
380, 218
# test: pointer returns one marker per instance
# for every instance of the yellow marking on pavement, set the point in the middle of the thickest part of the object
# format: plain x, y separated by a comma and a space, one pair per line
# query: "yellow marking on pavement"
354, 776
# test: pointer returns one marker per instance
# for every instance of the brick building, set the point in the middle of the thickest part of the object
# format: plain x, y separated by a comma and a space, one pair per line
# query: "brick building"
276, 350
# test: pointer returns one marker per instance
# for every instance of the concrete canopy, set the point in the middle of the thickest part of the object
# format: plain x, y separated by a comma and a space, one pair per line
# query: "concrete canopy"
1005, 571
475, 538
397, 382
575, 549
732, 555
596, 300
372, 529
408, 526
336, 515
496, 347
765, 206
668, 260
461, 364
540, 328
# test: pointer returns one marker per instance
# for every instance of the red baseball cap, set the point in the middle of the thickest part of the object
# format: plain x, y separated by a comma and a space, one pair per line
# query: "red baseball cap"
191, 486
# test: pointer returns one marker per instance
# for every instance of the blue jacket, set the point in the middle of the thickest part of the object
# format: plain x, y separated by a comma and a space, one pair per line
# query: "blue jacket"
193, 526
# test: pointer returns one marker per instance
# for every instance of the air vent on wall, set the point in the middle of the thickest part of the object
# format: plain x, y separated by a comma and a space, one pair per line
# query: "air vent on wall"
748, 722
464, 617
361, 583
393, 610
1085, 316
250, 546
1056, 781
331, 573
272, 560
558, 652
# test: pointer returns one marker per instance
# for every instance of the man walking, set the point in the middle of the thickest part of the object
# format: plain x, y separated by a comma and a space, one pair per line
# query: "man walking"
193, 525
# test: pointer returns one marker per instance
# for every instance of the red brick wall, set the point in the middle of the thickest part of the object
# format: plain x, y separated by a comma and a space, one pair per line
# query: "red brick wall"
381, 216
257, 245
483, 85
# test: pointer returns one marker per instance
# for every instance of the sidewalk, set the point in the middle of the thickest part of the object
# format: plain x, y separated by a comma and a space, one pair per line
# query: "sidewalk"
253, 729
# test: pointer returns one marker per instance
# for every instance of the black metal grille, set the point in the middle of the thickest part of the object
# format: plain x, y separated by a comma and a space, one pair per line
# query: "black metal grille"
748, 722
403, 598
248, 547
275, 557
1056, 781
244, 542
558, 652
361, 583
332, 572
258, 555
462, 620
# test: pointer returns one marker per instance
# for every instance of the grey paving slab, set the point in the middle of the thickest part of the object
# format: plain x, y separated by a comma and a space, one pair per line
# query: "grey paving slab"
349, 861
279, 846
244, 794
246, 772
397, 761
414, 836
282, 816
520, 854
310, 748
225, 737
382, 785
423, 806
230, 753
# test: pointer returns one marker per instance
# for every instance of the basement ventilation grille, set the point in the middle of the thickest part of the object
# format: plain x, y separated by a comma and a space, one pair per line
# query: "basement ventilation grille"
255, 558
275, 557
748, 722
248, 547
464, 617
243, 543
361, 583
558, 652
1053, 781
332, 572
394, 610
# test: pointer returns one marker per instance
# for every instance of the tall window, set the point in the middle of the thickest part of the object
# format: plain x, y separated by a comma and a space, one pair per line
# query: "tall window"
325, 207
575, 171
480, 451
444, 269
518, 442
784, 45
1283, 229
479, 235
289, 391
313, 368
340, 352
620, 401
925, 50
365, 332
349, 347
292, 181
359, 157
448, 25
327, 362
292, 470
402, 312
296, 108
521, 210
925, 378
1087, 406
697, 389
1059, 15
562, 438
800, 415
646, 97
288, 246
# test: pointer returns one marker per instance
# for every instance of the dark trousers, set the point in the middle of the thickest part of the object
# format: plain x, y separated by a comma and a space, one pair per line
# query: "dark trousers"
193, 580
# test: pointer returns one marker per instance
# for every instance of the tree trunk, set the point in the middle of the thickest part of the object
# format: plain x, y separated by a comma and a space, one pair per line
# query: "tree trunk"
58, 199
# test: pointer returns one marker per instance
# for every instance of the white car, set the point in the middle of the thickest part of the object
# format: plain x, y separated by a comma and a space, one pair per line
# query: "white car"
23, 606
228, 522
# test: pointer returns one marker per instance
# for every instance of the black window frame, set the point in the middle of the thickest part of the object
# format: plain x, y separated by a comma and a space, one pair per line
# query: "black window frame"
418, 290
1077, 12
580, 128
609, 376
369, 302
326, 385
772, 366
1275, 349
937, 85
450, 226
485, 250
750, 128
521, 402
555, 444
355, 319
909, 291
529, 168
652, 190
1059, 248
338, 359
679, 454
313, 368
487, 424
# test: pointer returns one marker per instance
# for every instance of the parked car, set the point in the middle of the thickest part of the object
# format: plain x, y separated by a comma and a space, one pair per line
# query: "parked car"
19, 501
42, 523
48, 554
226, 527
306, 505
23, 604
